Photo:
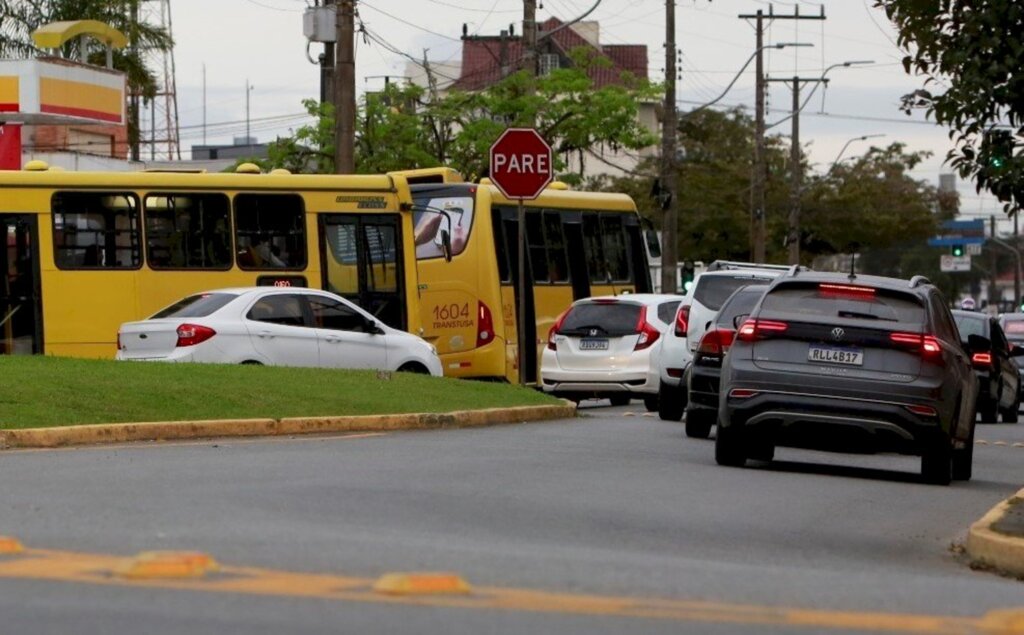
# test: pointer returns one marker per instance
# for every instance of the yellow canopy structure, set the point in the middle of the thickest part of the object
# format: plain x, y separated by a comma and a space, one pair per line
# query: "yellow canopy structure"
57, 34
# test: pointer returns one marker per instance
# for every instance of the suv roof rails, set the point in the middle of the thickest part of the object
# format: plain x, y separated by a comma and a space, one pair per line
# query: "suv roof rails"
720, 265
919, 280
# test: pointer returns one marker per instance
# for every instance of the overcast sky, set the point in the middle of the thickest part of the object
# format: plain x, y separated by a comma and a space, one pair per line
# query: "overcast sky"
262, 41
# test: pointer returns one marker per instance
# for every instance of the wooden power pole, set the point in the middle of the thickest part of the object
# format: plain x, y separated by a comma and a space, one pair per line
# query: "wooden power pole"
669, 180
759, 177
345, 89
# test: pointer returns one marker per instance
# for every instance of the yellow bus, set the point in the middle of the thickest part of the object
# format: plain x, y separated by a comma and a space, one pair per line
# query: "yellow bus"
88, 251
578, 244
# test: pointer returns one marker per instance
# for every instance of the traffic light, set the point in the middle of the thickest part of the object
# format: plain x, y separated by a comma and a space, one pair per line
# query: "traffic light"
957, 250
687, 277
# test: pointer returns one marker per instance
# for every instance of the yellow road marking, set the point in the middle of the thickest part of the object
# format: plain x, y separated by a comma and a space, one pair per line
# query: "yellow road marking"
214, 441
85, 568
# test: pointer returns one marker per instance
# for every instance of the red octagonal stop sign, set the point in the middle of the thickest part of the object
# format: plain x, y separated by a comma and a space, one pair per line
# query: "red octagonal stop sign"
521, 163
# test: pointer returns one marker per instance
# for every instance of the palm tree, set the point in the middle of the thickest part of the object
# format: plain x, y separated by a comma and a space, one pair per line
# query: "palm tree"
19, 18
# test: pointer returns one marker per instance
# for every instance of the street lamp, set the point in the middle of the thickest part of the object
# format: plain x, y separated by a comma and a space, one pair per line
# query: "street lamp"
847, 145
821, 80
750, 59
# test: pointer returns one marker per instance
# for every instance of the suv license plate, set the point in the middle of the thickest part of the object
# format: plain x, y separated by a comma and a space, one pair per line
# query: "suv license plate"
832, 355
593, 345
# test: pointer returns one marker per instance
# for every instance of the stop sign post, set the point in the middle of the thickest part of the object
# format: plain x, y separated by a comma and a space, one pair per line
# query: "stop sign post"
521, 168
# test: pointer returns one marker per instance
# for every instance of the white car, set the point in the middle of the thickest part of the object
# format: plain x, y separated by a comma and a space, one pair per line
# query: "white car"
709, 291
276, 327
603, 347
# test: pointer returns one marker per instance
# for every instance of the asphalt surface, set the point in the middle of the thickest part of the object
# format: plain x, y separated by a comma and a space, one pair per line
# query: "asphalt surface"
616, 504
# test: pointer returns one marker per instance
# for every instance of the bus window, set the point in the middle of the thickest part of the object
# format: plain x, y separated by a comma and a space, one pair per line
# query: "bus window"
428, 221
270, 232
538, 257
614, 242
504, 273
187, 231
558, 266
96, 230
342, 278
593, 246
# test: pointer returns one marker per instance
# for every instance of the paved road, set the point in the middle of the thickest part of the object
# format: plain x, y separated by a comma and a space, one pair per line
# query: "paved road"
617, 505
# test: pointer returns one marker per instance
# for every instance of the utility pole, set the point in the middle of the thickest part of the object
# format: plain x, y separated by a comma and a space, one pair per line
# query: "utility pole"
327, 67
669, 181
1016, 273
134, 118
760, 172
530, 36
345, 89
795, 169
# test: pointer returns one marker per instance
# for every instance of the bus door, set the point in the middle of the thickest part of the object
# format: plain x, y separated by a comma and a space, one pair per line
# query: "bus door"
527, 347
21, 321
576, 250
362, 262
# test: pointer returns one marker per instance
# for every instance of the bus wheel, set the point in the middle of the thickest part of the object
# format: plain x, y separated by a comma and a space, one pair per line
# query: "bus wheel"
619, 399
651, 403
251, 362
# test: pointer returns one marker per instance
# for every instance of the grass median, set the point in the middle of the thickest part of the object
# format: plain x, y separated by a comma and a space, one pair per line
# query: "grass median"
54, 391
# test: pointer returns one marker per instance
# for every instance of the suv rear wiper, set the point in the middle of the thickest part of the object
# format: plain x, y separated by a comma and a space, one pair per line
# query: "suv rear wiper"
865, 316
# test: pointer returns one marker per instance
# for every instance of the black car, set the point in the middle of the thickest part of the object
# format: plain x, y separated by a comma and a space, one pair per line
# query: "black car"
850, 363
1013, 328
703, 375
998, 378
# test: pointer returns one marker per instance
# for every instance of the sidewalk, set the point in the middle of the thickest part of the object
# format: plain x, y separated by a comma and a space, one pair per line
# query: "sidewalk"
189, 430
997, 540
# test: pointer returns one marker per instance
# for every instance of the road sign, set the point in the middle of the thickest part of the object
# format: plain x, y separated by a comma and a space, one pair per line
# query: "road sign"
974, 249
959, 232
954, 263
521, 163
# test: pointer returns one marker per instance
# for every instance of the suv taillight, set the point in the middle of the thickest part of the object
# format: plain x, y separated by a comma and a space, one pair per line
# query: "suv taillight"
928, 345
192, 334
648, 333
754, 329
554, 329
716, 342
484, 325
982, 360
682, 320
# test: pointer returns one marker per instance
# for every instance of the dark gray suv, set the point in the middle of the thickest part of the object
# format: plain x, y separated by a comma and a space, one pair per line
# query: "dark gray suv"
845, 363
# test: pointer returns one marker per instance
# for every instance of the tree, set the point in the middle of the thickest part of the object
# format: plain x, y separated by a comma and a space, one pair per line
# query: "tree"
870, 203
19, 19
404, 127
971, 57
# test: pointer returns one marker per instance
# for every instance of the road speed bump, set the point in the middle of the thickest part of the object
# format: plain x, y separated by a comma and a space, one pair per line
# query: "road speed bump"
167, 564
421, 584
10, 545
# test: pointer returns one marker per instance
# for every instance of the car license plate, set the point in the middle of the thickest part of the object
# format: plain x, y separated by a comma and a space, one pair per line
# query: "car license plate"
833, 355
591, 344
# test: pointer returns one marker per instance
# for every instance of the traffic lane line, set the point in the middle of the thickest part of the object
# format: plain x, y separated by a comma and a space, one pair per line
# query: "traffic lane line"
226, 441
98, 569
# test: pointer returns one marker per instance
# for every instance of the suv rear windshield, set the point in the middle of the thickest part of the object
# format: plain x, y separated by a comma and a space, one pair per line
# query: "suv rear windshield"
200, 305
971, 325
871, 305
607, 318
713, 291
741, 303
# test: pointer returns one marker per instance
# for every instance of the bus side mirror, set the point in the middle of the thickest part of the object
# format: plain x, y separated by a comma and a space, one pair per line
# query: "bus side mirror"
446, 245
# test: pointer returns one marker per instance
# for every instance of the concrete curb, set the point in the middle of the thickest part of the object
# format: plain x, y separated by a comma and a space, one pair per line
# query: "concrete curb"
183, 430
989, 547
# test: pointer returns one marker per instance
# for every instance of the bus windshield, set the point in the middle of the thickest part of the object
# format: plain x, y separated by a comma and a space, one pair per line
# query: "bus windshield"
432, 211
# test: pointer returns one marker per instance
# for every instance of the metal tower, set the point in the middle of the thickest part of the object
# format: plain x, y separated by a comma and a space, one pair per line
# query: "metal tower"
158, 118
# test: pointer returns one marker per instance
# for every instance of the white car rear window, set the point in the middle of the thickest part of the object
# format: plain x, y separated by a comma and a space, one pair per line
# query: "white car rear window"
200, 305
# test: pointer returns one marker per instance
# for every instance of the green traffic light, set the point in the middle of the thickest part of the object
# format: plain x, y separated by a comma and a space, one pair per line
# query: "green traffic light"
958, 250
